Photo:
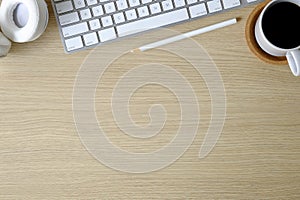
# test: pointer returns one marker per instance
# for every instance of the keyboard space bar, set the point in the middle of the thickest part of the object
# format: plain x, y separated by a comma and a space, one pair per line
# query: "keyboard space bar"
152, 22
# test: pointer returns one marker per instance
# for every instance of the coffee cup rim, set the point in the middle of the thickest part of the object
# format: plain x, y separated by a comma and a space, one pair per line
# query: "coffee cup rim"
297, 2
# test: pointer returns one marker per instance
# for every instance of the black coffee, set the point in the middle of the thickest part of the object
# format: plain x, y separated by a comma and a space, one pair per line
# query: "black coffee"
281, 25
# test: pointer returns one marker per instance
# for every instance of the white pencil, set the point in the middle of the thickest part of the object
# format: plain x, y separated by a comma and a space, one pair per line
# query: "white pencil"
188, 34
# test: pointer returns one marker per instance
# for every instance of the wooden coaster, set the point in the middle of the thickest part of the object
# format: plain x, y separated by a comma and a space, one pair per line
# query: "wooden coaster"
251, 41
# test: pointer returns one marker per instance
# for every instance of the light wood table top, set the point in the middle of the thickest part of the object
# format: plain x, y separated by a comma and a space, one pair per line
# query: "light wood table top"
256, 157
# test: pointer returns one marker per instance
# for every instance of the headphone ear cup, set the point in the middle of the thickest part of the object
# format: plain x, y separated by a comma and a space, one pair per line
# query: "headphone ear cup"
23, 20
5, 45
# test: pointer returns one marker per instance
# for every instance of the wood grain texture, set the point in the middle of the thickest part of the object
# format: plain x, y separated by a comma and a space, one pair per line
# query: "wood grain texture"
256, 157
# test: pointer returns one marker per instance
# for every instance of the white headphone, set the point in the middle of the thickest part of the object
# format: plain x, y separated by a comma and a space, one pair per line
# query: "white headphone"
21, 21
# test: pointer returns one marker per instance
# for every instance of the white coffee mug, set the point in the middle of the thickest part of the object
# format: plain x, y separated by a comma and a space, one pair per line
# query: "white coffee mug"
292, 55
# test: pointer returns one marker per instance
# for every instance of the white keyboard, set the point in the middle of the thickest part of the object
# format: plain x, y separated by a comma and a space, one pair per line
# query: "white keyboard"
87, 23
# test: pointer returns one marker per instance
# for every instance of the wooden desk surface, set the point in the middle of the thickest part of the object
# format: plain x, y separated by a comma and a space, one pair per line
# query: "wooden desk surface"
257, 155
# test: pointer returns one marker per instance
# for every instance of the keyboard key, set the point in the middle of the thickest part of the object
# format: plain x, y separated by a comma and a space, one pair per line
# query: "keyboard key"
107, 34
143, 11
95, 24
179, 3
155, 8
214, 6
146, 1
75, 29
191, 1
68, 18
97, 11
122, 4
152, 22
119, 18
231, 3
85, 14
109, 7
106, 21
91, 2
90, 39
197, 10
131, 14
74, 43
167, 5
64, 6
79, 3
133, 3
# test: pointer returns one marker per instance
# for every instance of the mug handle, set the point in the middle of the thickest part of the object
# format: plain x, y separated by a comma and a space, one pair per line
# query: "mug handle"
293, 58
